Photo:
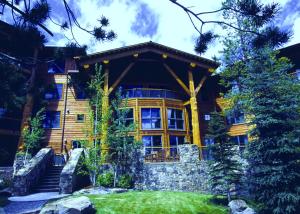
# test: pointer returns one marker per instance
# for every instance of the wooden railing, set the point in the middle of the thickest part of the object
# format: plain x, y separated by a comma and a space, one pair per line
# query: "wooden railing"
151, 93
161, 154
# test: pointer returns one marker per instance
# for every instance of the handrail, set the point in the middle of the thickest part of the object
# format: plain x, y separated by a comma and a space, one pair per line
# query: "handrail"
151, 93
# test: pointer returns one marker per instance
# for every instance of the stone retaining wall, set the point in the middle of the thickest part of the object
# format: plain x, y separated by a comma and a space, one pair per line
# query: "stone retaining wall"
189, 174
28, 176
70, 179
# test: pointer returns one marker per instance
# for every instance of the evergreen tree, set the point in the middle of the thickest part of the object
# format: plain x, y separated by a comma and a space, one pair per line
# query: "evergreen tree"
269, 95
225, 170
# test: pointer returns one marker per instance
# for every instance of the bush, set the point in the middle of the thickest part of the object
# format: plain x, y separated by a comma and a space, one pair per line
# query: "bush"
106, 179
125, 181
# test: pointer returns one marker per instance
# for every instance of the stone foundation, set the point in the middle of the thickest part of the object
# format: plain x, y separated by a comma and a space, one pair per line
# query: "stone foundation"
189, 174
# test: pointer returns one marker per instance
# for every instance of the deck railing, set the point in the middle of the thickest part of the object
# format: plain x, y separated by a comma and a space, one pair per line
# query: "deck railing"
151, 93
161, 154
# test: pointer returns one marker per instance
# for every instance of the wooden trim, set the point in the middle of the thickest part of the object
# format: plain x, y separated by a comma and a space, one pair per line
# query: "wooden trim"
186, 103
180, 82
200, 85
127, 69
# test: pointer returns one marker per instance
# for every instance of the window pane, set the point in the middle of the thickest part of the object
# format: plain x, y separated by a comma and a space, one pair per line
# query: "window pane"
54, 92
179, 124
156, 123
173, 140
145, 112
155, 112
171, 124
180, 140
178, 114
146, 124
156, 141
146, 141
80, 117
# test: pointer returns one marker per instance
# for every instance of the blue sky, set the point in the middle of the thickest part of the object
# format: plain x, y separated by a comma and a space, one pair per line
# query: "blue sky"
158, 20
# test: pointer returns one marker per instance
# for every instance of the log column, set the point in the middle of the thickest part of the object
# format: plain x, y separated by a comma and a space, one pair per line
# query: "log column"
194, 111
105, 106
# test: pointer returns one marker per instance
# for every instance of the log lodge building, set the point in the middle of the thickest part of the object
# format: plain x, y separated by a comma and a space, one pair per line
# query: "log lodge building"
170, 95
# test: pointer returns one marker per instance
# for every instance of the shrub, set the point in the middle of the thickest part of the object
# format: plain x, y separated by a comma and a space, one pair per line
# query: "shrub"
106, 179
125, 181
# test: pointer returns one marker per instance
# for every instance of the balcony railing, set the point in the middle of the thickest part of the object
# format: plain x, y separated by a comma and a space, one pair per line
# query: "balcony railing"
151, 93
161, 154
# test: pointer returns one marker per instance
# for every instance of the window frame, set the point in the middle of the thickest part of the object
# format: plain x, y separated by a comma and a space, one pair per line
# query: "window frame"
151, 118
181, 119
80, 121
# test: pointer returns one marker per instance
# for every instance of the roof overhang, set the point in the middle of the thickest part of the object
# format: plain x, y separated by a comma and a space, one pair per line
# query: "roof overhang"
148, 47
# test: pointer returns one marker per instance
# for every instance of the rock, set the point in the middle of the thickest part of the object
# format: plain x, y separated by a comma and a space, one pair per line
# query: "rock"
240, 207
72, 205
248, 211
237, 206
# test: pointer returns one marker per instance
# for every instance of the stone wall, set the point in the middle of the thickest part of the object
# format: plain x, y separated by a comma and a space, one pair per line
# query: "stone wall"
6, 174
189, 174
70, 178
28, 176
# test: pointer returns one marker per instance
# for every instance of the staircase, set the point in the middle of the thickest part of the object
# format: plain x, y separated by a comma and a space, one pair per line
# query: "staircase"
50, 181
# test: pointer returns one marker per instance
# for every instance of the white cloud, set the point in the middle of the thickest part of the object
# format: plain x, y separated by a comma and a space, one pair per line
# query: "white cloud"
174, 28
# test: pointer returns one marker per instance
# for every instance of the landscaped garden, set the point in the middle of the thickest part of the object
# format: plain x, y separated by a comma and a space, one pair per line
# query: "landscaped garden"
156, 202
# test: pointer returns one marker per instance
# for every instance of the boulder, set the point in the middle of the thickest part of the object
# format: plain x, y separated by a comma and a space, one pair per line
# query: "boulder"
240, 207
69, 205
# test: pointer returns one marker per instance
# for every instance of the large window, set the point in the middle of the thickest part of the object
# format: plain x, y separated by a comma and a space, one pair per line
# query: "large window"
52, 119
175, 119
152, 143
129, 120
54, 92
235, 117
151, 118
174, 142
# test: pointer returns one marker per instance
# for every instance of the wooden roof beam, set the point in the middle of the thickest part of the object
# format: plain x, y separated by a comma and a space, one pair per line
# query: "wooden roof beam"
200, 85
180, 82
114, 85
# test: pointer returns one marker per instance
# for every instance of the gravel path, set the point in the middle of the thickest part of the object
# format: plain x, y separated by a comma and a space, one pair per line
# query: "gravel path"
23, 207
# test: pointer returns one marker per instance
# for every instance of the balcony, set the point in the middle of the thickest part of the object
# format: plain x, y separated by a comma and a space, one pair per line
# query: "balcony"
151, 93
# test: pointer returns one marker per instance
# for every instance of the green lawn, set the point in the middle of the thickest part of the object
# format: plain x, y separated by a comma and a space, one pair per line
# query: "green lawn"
156, 202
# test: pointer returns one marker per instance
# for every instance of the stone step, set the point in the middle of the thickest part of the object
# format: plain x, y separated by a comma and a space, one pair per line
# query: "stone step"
49, 183
48, 186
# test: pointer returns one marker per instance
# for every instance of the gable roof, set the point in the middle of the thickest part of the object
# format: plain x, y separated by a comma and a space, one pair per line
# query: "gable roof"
147, 47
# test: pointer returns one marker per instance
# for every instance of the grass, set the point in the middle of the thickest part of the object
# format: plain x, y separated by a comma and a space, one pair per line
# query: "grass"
156, 202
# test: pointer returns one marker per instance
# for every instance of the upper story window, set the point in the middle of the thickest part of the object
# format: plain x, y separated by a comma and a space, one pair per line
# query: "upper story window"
175, 119
80, 118
207, 117
129, 119
54, 92
151, 118
235, 117
56, 67
52, 119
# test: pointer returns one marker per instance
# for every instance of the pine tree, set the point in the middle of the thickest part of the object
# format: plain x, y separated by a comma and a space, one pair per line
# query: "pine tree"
225, 170
274, 153
270, 98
